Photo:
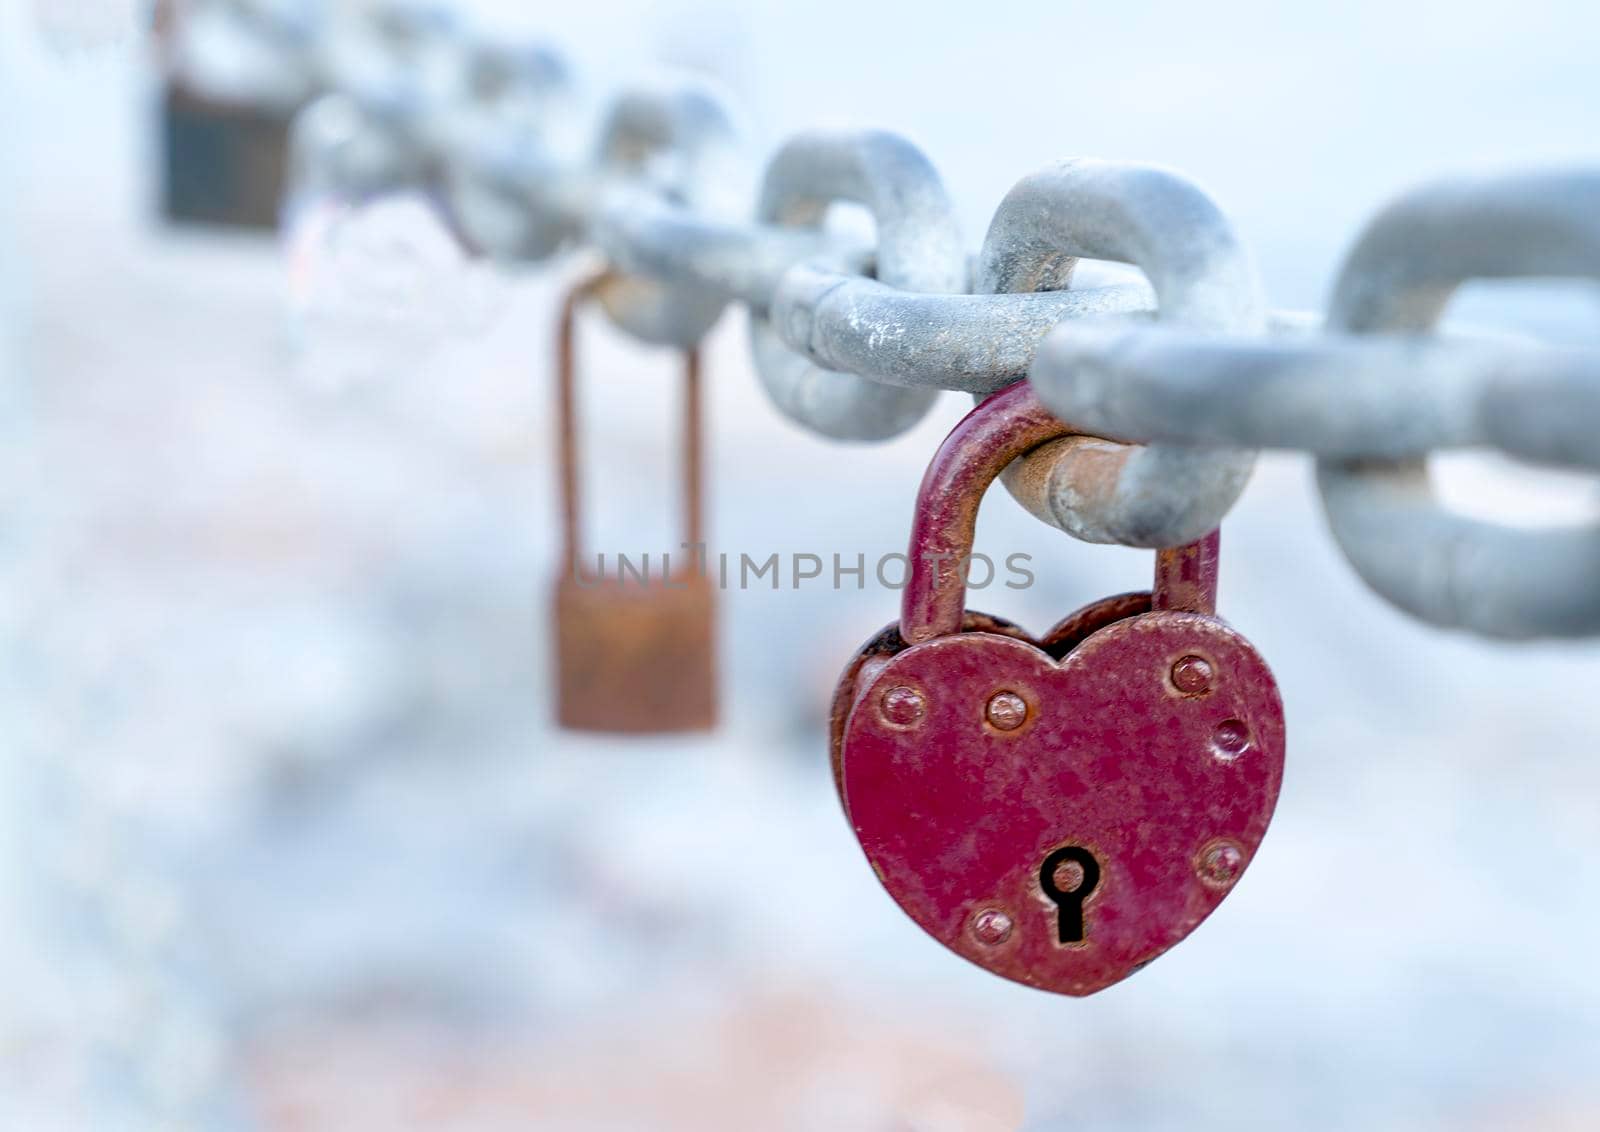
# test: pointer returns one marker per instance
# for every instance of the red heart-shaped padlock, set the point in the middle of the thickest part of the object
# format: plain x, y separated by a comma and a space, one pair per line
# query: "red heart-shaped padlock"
1063, 811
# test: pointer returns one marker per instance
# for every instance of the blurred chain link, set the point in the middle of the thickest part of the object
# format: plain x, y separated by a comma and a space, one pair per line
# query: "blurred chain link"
1173, 383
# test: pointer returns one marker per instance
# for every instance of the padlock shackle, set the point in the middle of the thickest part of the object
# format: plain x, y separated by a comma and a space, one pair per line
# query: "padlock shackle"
1005, 426
567, 446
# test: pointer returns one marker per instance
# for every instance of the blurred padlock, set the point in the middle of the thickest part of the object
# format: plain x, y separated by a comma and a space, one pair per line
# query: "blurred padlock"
635, 651
235, 73
1059, 811
222, 163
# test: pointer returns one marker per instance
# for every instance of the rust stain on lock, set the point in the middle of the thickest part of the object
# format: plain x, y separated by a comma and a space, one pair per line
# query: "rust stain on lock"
632, 654
1067, 807
635, 657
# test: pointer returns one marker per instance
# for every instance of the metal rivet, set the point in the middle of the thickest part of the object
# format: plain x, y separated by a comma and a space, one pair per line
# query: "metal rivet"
991, 927
1192, 675
1230, 738
903, 706
1006, 711
1220, 864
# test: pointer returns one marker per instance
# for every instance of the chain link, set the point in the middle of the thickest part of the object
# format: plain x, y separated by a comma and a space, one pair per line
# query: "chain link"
1159, 495
919, 250
1445, 568
1377, 391
1173, 383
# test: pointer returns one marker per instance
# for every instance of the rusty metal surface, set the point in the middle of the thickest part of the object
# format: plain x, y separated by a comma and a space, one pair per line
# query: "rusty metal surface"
631, 654
957, 815
1139, 742
1078, 626
1004, 428
636, 657
873, 655
1186, 576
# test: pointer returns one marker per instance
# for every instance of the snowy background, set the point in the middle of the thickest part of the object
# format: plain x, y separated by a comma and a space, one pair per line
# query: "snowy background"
287, 839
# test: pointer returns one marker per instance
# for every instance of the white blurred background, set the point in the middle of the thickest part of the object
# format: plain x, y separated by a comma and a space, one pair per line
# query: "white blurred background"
289, 839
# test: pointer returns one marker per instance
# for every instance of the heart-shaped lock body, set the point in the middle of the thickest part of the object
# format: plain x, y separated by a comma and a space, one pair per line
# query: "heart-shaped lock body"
1059, 811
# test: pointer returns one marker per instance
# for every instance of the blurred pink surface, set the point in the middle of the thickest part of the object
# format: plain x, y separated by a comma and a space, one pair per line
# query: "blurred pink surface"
796, 1062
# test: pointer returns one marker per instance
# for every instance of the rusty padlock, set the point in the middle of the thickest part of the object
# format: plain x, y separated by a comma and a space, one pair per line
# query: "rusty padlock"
1059, 811
633, 654
222, 163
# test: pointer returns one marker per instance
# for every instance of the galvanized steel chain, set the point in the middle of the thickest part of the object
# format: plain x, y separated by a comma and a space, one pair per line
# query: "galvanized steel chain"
1169, 386
1377, 391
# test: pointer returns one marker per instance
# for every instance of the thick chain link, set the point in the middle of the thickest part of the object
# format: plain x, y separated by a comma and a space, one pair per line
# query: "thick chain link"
1378, 390
1159, 495
1173, 383
919, 250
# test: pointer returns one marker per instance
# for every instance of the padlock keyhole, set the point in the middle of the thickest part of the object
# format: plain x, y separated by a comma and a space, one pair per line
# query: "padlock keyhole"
1067, 877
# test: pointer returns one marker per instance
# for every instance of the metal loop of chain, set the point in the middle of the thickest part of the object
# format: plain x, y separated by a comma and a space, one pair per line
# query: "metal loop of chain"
736, 261
1156, 496
918, 249
518, 83
1445, 568
972, 343
1377, 391
413, 98
392, 74
390, 80
674, 141
502, 148
336, 148
1171, 385
664, 150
